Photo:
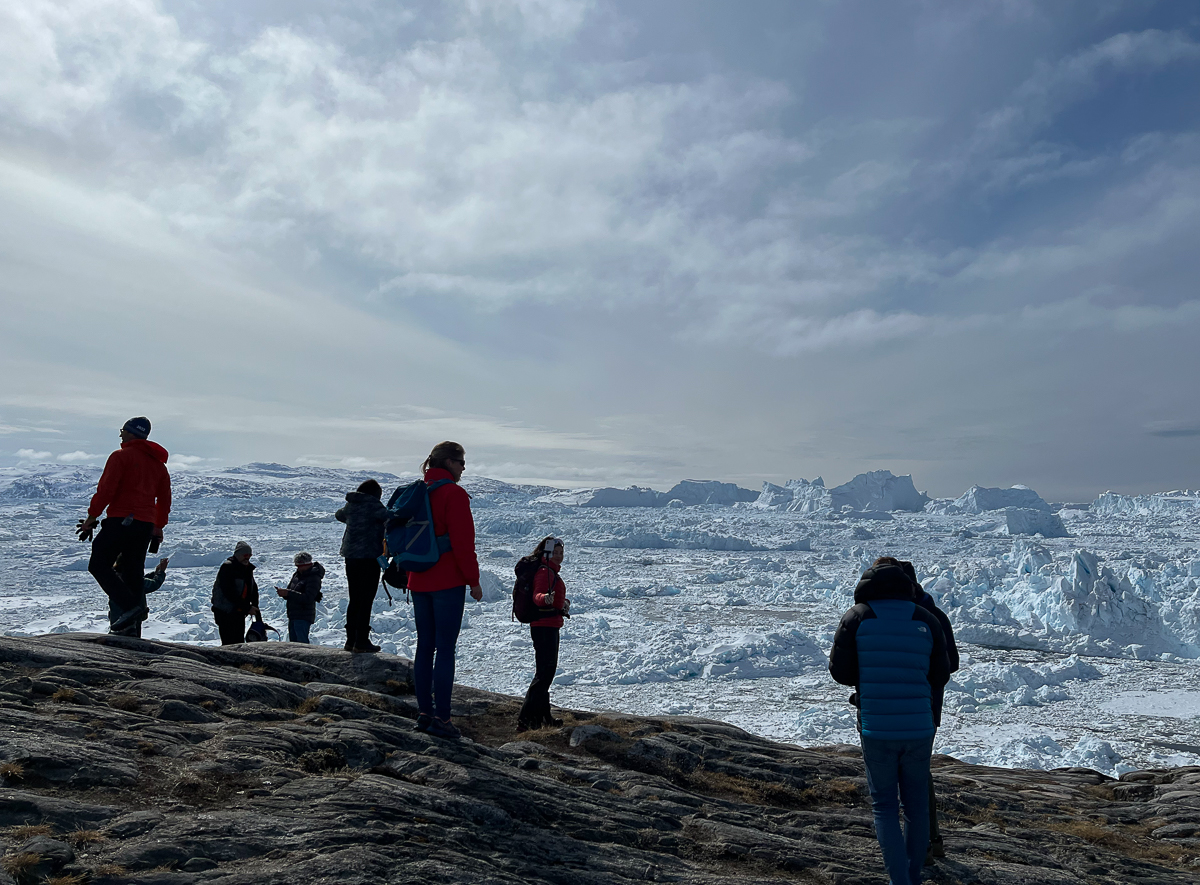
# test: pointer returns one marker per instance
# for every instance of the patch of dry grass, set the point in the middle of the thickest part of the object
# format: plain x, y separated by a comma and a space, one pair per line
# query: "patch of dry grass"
754, 792
69, 879
127, 702
1130, 841
64, 695
109, 869
80, 838
28, 831
18, 865
253, 668
13, 771
309, 705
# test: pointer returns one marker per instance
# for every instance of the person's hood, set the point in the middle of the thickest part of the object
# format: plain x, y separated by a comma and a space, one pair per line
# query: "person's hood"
317, 570
360, 498
884, 582
248, 565
148, 448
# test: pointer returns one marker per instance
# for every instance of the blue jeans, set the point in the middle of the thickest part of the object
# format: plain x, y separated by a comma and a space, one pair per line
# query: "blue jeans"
439, 618
900, 767
298, 630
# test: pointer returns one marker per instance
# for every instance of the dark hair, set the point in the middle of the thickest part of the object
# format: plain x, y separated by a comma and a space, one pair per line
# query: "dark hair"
887, 560
540, 550
443, 452
370, 487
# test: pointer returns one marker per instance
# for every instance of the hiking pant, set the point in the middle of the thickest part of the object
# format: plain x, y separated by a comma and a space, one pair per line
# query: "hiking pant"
362, 576
898, 774
935, 835
232, 627
535, 712
438, 615
125, 590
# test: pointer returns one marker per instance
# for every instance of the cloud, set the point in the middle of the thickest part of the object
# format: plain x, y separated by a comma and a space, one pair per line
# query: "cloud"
78, 457
1173, 428
31, 455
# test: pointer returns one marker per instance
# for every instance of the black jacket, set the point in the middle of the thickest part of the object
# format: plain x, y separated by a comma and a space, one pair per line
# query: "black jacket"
234, 590
886, 582
364, 516
304, 592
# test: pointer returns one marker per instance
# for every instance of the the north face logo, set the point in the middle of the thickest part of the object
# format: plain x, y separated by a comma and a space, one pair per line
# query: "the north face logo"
922, 628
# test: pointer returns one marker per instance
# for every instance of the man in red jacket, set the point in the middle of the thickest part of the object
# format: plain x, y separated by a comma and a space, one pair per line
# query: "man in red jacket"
136, 489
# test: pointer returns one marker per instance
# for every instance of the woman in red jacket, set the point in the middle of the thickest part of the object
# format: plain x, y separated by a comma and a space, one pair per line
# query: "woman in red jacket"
550, 595
439, 593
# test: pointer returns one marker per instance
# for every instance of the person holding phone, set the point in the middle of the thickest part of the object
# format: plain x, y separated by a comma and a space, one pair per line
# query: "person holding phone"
439, 593
549, 595
302, 593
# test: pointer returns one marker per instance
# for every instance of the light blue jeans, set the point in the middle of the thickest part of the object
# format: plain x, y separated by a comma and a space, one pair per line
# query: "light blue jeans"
298, 631
898, 774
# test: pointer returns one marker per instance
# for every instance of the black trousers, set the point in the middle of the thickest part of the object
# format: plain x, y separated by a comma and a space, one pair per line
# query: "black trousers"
231, 626
362, 576
129, 542
535, 712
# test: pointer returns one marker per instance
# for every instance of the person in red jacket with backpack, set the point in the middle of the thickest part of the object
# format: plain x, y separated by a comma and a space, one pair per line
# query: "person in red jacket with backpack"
549, 595
439, 593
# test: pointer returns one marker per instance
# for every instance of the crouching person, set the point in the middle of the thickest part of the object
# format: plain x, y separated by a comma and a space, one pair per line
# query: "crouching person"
302, 593
152, 581
894, 654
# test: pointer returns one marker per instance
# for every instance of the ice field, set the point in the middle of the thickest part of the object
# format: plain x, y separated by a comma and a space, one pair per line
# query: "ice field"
1079, 624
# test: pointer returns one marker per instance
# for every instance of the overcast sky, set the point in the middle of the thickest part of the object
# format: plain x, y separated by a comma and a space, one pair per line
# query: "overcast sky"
608, 242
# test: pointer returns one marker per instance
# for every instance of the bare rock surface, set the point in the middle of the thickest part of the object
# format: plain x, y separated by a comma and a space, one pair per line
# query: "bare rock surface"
123, 760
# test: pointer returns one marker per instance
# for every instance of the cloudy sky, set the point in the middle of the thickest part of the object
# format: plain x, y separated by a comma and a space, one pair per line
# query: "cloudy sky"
608, 242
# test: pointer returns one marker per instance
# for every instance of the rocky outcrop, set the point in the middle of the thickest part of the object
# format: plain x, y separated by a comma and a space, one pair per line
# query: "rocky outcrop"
141, 762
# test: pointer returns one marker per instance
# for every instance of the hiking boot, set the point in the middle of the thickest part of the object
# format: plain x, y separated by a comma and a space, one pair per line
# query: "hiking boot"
553, 722
937, 848
443, 729
131, 620
523, 727
368, 649
423, 722
349, 646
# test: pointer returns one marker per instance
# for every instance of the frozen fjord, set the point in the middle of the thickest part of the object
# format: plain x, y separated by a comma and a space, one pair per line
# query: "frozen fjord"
1077, 650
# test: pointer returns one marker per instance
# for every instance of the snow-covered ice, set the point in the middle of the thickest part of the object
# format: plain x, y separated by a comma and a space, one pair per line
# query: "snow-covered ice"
716, 601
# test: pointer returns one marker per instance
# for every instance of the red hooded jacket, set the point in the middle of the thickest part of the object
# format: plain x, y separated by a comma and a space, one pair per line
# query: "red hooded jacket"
545, 597
135, 483
458, 566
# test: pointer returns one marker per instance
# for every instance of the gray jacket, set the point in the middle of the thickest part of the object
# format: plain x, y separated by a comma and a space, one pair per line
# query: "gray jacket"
364, 516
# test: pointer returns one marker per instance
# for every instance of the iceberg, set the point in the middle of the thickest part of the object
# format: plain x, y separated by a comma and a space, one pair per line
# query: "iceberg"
1023, 521
876, 491
978, 499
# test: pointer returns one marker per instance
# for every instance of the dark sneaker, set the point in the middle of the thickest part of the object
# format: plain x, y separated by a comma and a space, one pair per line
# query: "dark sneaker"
349, 645
368, 649
523, 727
443, 729
553, 722
423, 722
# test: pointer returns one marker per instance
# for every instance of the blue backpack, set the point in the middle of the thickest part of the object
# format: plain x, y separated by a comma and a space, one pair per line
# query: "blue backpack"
408, 533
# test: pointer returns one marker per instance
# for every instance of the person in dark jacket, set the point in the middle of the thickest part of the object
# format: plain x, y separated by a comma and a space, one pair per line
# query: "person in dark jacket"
302, 593
362, 544
235, 595
151, 581
937, 845
136, 490
439, 593
550, 595
894, 654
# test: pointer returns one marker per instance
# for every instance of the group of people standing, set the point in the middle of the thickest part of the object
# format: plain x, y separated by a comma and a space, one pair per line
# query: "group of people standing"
895, 647
135, 488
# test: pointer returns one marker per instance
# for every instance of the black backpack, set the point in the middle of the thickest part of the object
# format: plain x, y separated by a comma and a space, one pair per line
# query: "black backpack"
523, 608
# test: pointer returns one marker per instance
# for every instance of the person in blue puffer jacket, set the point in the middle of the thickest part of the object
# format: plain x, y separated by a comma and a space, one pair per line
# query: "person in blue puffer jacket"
894, 654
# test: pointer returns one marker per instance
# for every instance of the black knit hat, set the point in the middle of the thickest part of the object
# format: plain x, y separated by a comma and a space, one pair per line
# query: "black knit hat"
139, 428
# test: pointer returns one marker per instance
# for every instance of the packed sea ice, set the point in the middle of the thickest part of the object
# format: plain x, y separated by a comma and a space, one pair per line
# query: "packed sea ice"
1079, 646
